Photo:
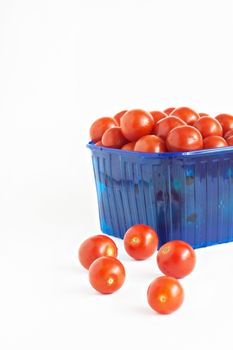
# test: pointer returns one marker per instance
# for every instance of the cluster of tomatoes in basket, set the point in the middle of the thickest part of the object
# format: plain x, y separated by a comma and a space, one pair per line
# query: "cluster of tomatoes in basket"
173, 130
175, 259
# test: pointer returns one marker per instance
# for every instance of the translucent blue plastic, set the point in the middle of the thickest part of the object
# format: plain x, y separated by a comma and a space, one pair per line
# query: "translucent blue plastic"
187, 196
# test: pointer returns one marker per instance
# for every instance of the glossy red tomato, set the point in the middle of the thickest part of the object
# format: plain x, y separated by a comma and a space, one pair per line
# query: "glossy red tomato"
113, 138
100, 126
214, 142
184, 138
106, 275
99, 143
230, 141
186, 114
140, 241
157, 115
164, 126
176, 259
136, 123
95, 247
129, 146
118, 116
165, 295
226, 120
228, 134
208, 126
169, 110
150, 143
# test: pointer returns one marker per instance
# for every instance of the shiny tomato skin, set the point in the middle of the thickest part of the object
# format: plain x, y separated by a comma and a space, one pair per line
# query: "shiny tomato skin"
106, 275
99, 126
136, 123
151, 144
129, 146
184, 138
230, 141
113, 138
186, 114
164, 126
208, 126
214, 142
118, 116
204, 115
226, 120
157, 115
140, 241
165, 295
176, 259
228, 134
95, 247
169, 110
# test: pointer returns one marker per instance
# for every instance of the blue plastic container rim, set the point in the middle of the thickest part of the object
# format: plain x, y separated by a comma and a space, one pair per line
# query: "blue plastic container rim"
202, 152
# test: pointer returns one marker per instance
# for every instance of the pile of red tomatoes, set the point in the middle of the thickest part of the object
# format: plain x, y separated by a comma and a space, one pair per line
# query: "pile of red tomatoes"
173, 130
175, 259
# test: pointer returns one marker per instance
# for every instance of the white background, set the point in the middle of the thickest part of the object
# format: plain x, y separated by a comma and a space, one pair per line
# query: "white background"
63, 64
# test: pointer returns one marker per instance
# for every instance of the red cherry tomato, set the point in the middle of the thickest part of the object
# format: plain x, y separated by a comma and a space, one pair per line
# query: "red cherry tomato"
184, 139
140, 241
129, 146
164, 126
157, 115
99, 143
151, 144
230, 141
204, 115
118, 116
228, 134
214, 142
176, 259
169, 110
165, 295
113, 138
95, 247
186, 114
226, 120
208, 126
100, 126
136, 123
106, 275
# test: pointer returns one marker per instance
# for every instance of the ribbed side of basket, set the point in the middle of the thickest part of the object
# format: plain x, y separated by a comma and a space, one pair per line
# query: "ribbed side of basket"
182, 198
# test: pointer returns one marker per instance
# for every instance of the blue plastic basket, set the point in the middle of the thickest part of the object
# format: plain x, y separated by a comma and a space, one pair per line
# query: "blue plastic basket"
187, 196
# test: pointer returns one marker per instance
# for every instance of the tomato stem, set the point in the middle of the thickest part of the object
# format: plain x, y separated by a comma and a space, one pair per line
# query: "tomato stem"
165, 250
163, 298
135, 240
110, 281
